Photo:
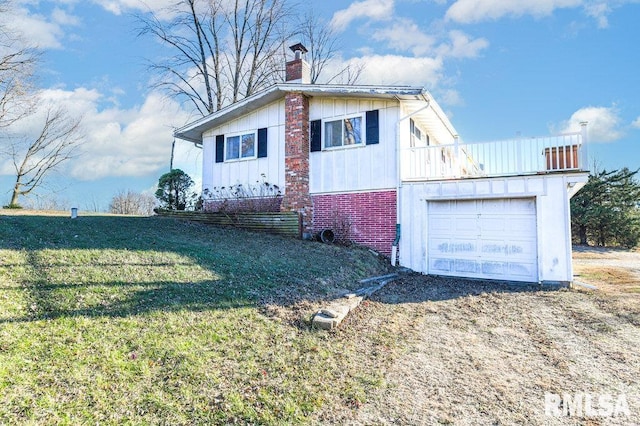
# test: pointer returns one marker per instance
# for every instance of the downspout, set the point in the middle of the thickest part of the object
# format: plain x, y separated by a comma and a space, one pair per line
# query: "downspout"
394, 247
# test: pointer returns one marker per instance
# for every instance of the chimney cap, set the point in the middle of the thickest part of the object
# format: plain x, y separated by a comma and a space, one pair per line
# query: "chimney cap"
298, 47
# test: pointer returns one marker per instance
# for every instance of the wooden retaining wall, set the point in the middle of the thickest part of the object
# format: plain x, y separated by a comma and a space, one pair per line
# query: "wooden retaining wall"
281, 223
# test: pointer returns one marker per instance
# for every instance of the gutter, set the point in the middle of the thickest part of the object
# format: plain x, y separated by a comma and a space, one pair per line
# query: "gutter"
394, 247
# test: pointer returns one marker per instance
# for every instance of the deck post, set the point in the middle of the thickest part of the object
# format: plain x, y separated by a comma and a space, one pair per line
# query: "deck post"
584, 159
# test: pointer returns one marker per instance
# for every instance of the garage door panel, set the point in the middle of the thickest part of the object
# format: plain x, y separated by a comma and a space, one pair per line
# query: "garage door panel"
492, 206
442, 208
466, 224
508, 249
441, 266
491, 224
494, 239
523, 270
448, 246
440, 223
464, 207
521, 206
495, 268
466, 266
520, 225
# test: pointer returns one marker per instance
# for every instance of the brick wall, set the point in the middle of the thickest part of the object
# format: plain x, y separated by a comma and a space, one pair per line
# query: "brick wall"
297, 71
296, 194
372, 216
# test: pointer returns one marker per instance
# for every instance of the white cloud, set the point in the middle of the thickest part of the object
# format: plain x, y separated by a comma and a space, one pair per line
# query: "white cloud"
636, 123
36, 29
450, 97
163, 9
393, 70
462, 46
372, 9
119, 142
599, 12
603, 123
469, 11
405, 36
118, 7
62, 17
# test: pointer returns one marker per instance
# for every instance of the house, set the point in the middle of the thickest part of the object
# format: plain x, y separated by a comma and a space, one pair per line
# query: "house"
386, 163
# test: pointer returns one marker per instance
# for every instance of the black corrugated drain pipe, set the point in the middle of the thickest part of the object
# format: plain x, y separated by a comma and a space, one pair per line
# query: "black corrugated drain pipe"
327, 236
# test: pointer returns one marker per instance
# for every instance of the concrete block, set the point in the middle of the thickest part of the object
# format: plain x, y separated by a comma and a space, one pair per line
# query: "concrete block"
324, 322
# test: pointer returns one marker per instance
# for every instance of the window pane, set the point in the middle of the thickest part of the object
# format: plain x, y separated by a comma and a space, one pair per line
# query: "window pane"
233, 148
332, 134
248, 145
352, 131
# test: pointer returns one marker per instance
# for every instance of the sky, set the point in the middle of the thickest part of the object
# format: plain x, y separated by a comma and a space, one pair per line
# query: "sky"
498, 68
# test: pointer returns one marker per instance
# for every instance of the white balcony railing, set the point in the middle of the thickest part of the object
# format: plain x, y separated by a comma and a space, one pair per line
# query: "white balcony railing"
520, 156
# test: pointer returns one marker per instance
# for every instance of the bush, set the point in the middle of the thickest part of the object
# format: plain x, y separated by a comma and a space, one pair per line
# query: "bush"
174, 191
260, 197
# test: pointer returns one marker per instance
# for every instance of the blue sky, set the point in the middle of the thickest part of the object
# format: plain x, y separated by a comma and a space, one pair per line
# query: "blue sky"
497, 67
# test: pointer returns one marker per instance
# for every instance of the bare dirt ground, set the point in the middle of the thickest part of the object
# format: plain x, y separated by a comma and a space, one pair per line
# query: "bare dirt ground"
611, 270
479, 353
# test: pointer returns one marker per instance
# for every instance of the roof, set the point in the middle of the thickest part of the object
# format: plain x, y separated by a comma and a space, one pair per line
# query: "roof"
417, 99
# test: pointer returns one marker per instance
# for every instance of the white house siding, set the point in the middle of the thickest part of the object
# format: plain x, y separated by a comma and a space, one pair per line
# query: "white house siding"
250, 170
549, 194
355, 169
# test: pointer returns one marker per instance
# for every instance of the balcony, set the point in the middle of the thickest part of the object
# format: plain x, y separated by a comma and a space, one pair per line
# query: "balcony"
514, 157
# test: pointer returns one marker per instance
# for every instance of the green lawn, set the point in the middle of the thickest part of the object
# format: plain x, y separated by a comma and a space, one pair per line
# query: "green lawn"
146, 320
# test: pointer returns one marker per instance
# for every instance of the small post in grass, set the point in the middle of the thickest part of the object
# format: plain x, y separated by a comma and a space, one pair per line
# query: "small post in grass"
74, 212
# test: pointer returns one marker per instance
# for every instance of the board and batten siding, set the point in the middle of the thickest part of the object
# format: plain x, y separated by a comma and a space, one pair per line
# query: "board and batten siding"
247, 171
355, 168
549, 193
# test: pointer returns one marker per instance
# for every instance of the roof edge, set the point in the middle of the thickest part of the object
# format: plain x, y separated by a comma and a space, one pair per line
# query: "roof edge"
192, 132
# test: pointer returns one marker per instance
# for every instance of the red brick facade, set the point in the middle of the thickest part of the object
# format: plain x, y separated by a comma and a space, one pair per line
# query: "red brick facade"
297, 70
371, 216
296, 195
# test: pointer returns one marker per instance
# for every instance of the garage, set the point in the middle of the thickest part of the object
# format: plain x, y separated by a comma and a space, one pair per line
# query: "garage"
483, 238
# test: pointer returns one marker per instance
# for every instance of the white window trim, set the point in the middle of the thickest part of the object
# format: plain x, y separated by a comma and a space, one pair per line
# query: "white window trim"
240, 134
363, 135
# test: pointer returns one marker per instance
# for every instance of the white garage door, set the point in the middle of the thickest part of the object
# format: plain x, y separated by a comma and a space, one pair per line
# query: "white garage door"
492, 239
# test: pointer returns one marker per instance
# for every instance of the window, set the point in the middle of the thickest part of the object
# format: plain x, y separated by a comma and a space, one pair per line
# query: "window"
343, 132
352, 131
240, 146
418, 138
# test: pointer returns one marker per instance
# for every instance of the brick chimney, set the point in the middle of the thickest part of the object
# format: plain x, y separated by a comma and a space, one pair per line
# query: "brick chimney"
296, 162
298, 70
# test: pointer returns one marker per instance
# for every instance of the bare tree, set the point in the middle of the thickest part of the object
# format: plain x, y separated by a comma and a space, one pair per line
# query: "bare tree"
35, 158
16, 71
193, 71
258, 33
133, 203
323, 44
222, 50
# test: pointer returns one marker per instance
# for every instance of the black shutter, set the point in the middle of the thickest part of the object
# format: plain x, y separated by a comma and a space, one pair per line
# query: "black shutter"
262, 143
219, 148
316, 135
373, 129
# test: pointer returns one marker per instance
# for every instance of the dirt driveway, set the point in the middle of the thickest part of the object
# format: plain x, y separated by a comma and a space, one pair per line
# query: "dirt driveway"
611, 270
478, 353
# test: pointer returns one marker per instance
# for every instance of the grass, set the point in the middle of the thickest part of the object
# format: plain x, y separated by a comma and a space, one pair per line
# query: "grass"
116, 320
